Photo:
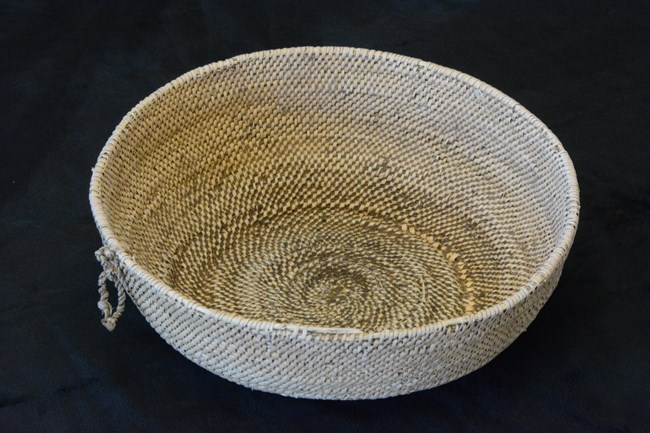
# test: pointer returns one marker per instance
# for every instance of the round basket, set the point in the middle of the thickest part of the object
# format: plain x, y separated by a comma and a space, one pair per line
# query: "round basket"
333, 223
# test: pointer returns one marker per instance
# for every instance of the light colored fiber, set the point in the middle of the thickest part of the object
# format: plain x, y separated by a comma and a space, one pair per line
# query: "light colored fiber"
333, 223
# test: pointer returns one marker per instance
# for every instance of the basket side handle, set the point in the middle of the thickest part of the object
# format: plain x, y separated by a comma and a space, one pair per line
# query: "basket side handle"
110, 264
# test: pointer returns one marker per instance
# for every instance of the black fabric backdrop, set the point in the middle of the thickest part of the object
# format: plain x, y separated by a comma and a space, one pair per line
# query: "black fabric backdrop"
70, 71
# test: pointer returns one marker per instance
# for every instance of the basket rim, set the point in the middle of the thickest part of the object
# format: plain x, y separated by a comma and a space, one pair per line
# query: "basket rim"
554, 260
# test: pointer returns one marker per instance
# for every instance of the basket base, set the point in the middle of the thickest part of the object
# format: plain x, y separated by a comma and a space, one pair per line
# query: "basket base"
336, 268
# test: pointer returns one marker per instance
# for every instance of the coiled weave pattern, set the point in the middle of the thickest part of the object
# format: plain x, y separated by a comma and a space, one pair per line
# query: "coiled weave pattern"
334, 223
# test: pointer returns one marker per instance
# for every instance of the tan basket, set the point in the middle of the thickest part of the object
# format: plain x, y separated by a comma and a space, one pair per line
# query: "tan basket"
333, 223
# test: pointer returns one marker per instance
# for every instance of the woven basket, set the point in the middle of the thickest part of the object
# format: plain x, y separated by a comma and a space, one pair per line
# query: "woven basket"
333, 223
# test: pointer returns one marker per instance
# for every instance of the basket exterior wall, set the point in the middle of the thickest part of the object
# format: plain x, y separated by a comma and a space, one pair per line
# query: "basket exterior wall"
331, 366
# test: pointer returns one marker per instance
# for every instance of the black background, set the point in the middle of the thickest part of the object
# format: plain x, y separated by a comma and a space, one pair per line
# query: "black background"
70, 71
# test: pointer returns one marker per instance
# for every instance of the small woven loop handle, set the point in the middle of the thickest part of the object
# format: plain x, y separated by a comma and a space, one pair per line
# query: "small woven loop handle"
109, 262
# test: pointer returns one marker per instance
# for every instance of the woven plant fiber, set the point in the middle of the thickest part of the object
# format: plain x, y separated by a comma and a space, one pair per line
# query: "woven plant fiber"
333, 223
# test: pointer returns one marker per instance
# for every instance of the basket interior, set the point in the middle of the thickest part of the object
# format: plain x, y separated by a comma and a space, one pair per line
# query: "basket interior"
335, 188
